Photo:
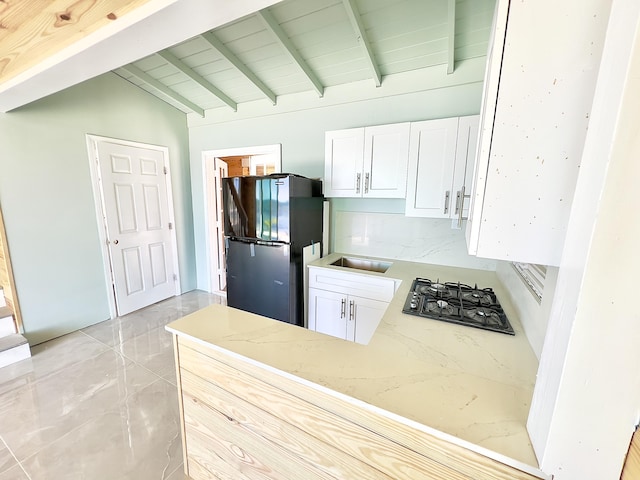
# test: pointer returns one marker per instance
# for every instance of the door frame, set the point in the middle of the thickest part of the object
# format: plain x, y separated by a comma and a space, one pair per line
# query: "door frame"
98, 198
210, 199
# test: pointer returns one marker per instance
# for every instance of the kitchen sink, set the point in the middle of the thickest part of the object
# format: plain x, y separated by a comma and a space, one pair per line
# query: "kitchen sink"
363, 264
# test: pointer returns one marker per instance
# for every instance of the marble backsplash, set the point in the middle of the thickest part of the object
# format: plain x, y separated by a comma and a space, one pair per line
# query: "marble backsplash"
390, 235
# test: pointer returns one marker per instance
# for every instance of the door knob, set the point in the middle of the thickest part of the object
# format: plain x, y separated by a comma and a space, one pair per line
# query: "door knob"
115, 242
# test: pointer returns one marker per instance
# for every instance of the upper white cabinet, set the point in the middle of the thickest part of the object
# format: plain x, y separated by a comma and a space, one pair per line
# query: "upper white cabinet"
367, 162
441, 161
534, 119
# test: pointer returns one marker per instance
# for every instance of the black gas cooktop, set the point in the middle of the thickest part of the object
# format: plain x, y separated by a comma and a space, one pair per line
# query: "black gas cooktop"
457, 303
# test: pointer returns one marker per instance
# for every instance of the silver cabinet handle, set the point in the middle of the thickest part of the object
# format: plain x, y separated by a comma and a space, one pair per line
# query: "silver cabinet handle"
446, 202
358, 176
342, 308
366, 183
462, 197
458, 202
351, 310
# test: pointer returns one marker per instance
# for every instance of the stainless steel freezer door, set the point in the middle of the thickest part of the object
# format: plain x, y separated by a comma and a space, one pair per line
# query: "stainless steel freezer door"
258, 279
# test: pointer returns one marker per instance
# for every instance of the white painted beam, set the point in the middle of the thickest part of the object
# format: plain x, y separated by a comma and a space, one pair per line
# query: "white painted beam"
162, 88
196, 77
356, 23
271, 24
242, 68
451, 32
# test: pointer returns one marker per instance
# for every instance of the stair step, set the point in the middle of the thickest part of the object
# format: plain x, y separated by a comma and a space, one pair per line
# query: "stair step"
13, 348
7, 325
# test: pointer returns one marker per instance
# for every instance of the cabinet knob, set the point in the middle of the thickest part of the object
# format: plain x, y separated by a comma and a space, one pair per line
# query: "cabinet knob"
358, 177
342, 308
351, 310
366, 183
446, 202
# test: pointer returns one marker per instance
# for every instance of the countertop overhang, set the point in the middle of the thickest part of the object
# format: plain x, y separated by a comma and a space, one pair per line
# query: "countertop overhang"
469, 386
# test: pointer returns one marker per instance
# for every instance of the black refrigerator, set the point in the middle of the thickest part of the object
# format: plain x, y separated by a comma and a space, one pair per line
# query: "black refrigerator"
268, 221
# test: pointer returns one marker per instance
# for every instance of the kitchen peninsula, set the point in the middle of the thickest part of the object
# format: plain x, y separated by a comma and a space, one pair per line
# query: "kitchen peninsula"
424, 399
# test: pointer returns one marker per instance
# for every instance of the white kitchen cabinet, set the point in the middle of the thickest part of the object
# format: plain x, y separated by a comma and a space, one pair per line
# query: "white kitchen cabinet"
345, 305
441, 161
368, 162
534, 118
344, 316
327, 313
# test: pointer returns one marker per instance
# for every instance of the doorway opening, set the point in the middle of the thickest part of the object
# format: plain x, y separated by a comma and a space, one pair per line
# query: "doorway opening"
233, 162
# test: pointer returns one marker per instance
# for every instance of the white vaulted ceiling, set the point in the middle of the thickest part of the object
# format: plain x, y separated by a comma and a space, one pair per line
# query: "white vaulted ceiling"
310, 45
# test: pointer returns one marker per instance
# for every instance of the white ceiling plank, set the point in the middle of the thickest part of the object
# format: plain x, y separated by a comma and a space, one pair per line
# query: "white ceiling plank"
235, 61
152, 82
199, 79
272, 25
356, 23
451, 27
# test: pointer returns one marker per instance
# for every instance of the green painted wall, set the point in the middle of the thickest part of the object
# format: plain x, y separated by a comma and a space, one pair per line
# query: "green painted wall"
47, 198
301, 134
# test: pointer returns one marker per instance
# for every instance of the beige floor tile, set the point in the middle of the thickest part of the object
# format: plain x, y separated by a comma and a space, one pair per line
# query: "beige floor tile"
6, 458
178, 475
37, 414
14, 473
153, 350
115, 332
48, 358
139, 440
92, 405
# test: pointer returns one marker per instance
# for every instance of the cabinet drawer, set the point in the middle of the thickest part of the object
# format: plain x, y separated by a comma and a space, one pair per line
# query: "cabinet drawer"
362, 285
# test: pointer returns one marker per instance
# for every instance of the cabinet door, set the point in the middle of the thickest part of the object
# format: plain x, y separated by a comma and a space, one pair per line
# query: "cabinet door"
432, 154
367, 314
533, 143
464, 169
344, 152
328, 313
386, 155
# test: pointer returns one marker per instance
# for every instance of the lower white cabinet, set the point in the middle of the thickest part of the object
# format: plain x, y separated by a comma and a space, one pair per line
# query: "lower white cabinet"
344, 316
347, 305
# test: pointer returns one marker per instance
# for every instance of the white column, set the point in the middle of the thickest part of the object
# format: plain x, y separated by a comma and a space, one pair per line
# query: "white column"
587, 397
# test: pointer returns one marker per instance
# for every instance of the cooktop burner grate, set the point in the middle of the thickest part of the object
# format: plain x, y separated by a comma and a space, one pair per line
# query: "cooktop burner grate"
457, 303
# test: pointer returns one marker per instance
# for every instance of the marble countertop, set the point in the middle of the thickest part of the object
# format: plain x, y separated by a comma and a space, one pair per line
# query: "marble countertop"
470, 386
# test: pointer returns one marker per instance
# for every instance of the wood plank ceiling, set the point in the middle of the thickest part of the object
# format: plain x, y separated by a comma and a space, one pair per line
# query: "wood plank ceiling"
300, 46
30, 32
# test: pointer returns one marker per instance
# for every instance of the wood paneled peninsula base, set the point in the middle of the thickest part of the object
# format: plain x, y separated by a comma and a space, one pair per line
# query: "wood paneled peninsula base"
264, 399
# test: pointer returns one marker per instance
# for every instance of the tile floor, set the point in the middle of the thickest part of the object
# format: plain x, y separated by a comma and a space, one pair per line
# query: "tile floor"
99, 403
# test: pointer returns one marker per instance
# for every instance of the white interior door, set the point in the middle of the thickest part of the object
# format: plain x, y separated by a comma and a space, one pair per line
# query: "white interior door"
137, 216
221, 170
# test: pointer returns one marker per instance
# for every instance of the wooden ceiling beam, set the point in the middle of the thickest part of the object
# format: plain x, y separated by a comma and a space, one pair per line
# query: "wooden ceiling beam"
162, 88
451, 31
199, 79
242, 68
283, 39
358, 27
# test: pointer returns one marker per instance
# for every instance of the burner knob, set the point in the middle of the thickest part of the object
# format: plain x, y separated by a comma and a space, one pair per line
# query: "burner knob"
413, 305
